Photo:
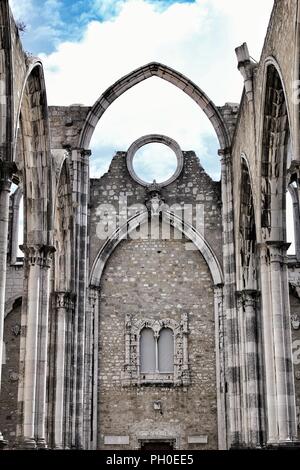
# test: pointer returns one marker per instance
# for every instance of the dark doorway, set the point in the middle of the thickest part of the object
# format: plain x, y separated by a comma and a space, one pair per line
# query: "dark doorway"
157, 445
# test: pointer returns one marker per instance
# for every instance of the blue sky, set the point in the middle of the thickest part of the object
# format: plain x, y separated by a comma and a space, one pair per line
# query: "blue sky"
86, 45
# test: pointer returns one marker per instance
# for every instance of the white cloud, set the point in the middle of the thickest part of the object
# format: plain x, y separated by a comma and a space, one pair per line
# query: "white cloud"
22, 9
197, 39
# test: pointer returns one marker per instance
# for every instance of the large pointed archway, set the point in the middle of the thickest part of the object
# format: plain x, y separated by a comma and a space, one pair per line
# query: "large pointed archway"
154, 69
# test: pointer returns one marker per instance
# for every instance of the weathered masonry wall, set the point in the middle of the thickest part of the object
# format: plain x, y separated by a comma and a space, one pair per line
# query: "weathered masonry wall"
10, 371
193, 186
66, 123
151, 278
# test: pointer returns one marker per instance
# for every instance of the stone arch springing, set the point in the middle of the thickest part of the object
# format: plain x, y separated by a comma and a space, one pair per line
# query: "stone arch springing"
275, 147
154, 69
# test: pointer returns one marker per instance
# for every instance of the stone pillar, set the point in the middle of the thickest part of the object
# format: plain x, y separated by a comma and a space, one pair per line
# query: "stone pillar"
242, 361
62, 307
6, 171
280, 394
41, 409
286, 407
69, 372
220, 366
91, 388
233, 368
251, 373
80, 194
36, 259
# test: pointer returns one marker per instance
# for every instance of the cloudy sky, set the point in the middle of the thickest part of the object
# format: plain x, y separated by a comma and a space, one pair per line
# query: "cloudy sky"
86, 45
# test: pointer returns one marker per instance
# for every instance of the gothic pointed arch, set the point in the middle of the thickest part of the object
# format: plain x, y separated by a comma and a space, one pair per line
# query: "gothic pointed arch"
154, 69
32, 155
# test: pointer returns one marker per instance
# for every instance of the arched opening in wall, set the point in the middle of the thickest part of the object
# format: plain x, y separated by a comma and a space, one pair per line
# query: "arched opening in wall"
275, 152
154, 161
151, 107
247, 231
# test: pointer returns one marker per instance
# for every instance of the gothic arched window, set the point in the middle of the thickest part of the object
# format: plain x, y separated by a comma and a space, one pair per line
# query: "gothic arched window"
157, 351
147, 350
165, 347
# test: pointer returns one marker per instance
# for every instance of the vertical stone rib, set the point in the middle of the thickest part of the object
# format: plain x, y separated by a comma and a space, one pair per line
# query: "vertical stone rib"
80, 194
232, 350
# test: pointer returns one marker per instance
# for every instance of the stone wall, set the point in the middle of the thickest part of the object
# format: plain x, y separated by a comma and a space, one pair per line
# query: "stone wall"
14, 282
10, 371
193, 186
66, 123
151, 278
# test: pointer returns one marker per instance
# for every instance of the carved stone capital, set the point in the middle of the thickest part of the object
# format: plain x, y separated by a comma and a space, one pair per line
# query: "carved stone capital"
7, 169
278, 251
64, 300
40, 255
247, 298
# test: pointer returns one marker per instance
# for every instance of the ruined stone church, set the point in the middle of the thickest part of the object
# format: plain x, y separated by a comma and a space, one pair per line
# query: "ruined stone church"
151, 316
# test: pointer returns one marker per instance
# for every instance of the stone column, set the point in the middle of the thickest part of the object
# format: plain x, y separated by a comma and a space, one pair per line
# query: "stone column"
6, 171
233, 368
267, 325
285, 399
92, 371
242, 362
46, 253
62, 306
252, 372
280, 395
80, 194
69, 354
220, 366
33, 259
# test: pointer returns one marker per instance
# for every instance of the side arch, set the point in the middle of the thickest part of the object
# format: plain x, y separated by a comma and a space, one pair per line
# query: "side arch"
154, 69
33, 156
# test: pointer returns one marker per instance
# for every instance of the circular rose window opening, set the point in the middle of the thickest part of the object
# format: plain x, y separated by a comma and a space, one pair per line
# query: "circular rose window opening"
155, 161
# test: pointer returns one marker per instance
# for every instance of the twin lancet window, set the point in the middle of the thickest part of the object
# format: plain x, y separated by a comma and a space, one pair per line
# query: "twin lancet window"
156, 352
